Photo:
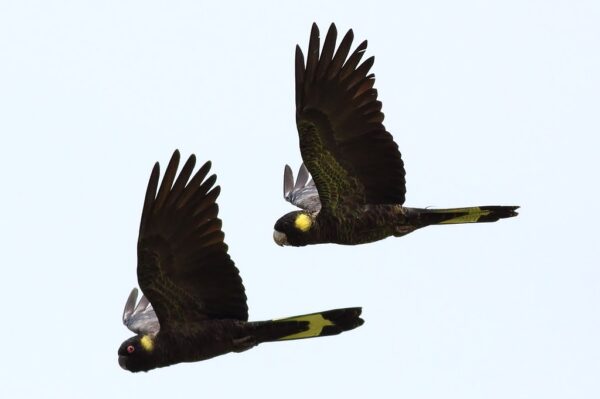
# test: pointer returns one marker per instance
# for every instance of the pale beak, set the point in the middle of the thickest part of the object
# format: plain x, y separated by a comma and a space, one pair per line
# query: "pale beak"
122, 361
280, 238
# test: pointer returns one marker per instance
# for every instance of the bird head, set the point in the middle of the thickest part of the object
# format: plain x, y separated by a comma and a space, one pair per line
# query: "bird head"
295, 228
138, 354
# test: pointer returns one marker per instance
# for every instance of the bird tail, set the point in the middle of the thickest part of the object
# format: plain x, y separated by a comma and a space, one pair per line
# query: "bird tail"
476, 214
331, 322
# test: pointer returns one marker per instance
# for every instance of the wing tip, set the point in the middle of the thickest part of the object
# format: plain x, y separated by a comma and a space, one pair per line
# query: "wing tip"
288, 180
130, 305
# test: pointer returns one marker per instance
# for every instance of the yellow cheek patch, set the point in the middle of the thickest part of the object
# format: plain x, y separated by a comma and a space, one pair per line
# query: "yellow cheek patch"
147, 343
303, 222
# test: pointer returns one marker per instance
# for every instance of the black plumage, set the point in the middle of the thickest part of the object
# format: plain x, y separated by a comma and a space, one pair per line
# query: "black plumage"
358, 172
194, 304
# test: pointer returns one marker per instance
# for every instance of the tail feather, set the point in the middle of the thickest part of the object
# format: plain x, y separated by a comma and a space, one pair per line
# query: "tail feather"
331, 322
478, 214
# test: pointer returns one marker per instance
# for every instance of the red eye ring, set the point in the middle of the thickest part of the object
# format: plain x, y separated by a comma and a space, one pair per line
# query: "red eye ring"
130, 349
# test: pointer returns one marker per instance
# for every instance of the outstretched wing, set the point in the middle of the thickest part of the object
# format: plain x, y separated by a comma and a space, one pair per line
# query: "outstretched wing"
183, 266
343, 142
140, 319
303, 193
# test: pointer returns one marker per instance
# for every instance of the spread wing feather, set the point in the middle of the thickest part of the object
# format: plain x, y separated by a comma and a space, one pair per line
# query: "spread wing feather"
140, 319
343, 142
183, 266
303, 193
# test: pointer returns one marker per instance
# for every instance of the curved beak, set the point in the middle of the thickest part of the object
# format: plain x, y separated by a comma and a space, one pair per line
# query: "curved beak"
122, 360
280, 238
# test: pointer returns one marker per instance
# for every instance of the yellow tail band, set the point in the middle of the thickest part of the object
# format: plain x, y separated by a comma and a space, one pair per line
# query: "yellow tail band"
316, 322
472, 215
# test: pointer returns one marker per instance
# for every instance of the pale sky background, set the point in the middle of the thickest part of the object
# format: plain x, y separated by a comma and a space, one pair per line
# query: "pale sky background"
491, 103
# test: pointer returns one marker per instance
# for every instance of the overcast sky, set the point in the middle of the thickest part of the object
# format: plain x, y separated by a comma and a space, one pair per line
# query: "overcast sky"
491, 103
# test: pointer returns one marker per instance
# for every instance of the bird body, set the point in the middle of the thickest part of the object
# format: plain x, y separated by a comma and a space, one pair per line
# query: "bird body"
193, 343
211, 338
371, 223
